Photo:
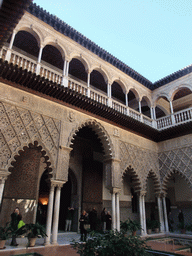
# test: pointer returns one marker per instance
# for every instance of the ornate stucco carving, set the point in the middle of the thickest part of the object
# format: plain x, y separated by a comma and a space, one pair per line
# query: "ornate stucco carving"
19, 127
176, 160
143, 161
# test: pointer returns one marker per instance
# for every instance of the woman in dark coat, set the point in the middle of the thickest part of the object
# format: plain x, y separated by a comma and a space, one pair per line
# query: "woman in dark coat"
108, 221
15, 218
83, 220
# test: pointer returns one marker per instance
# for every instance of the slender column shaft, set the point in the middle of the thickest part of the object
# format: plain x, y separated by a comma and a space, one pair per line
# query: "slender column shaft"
40, 54
88, 79
141, 214
113, 211
117, 211
151, 112
160, 214
109, 90
144, 216
64, 67
56, 215
154, 113
49, 215
67, 68
12, 39
126, 99
2, 184
171, 107
139, 106
165, 215
172, 116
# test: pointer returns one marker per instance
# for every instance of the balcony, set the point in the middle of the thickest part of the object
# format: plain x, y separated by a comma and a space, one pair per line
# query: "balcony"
53, 74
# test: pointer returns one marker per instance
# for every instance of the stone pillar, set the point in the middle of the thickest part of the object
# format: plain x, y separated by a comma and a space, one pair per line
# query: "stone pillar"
109, 95
140, 106
141, 214
88, 84
162, 228
165, 215
144, 215
172, 112
56, 211
3, 176
126, 99
117, 211
65, 73
151, 112
39, 60
8, 54
113, 210
50, 213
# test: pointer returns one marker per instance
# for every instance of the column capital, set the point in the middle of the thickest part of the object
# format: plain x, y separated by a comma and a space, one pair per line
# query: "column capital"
115, 190
142, 193
57, 183
4, 175
65, 148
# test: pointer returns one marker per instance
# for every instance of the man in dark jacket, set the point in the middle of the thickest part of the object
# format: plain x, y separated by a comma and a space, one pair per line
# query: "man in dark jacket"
93, 219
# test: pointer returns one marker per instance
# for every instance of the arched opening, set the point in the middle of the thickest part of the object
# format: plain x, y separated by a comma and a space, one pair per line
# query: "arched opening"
145, 108
87, 160
22, 186
179, 197
97, 80
182, 99
117, 92
52, 56
26, 43
132, 101
77, 69
162, 107
129, 197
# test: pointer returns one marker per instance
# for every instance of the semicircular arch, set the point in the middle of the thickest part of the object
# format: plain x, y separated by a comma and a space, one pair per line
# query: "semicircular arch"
81, 58
57, 45
33, 31
102, 71
178, 88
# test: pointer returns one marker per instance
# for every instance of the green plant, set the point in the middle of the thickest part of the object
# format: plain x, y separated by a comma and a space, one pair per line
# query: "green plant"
130, 225
5, 232
32, 230
112, 243
150, 224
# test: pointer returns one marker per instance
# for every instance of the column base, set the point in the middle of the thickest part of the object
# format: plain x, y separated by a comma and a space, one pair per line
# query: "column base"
54, 243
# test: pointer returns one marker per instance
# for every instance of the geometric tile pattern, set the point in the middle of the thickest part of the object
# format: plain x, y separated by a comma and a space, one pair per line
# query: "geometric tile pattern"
142, 161
19, 127
177, 160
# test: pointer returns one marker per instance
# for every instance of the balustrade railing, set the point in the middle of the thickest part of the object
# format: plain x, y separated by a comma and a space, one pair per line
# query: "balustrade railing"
81, 87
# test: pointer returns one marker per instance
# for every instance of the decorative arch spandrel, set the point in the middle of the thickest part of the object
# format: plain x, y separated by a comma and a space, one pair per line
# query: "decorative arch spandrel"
20, 127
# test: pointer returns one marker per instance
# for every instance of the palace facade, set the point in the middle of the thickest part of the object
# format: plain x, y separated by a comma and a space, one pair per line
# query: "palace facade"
80, 128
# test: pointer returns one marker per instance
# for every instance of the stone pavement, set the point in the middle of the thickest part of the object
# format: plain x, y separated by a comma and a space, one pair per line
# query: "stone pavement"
63, 248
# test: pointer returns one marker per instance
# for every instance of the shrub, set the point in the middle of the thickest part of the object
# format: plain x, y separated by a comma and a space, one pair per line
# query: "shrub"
113, 243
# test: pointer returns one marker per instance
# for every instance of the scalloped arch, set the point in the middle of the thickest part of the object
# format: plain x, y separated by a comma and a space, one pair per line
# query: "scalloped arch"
100, 131
156, 181
136, 180
169, 174
21, 148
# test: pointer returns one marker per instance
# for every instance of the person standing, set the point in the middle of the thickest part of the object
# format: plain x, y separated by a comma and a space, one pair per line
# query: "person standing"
93, 219
83, 220
103, 219
108, 221
181, 219
69, 218
15, 218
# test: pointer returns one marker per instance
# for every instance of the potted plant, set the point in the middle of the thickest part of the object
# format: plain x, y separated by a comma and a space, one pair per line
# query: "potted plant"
5, 233
150, 225
130, 225
156, 225
32, 231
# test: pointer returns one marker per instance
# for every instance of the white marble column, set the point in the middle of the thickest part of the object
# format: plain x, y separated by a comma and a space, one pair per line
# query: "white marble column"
172, 112
113, 211
2, 184
39, 60
88, 84
165, 215
154, 113
109, 95
140, 106
117, 211
56, 213
65, 73
8, 54
141, 214
162, 228
49, 214
144, 216
151, 112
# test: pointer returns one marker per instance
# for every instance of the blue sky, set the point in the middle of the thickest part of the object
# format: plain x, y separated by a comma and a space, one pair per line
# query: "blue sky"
154, 37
